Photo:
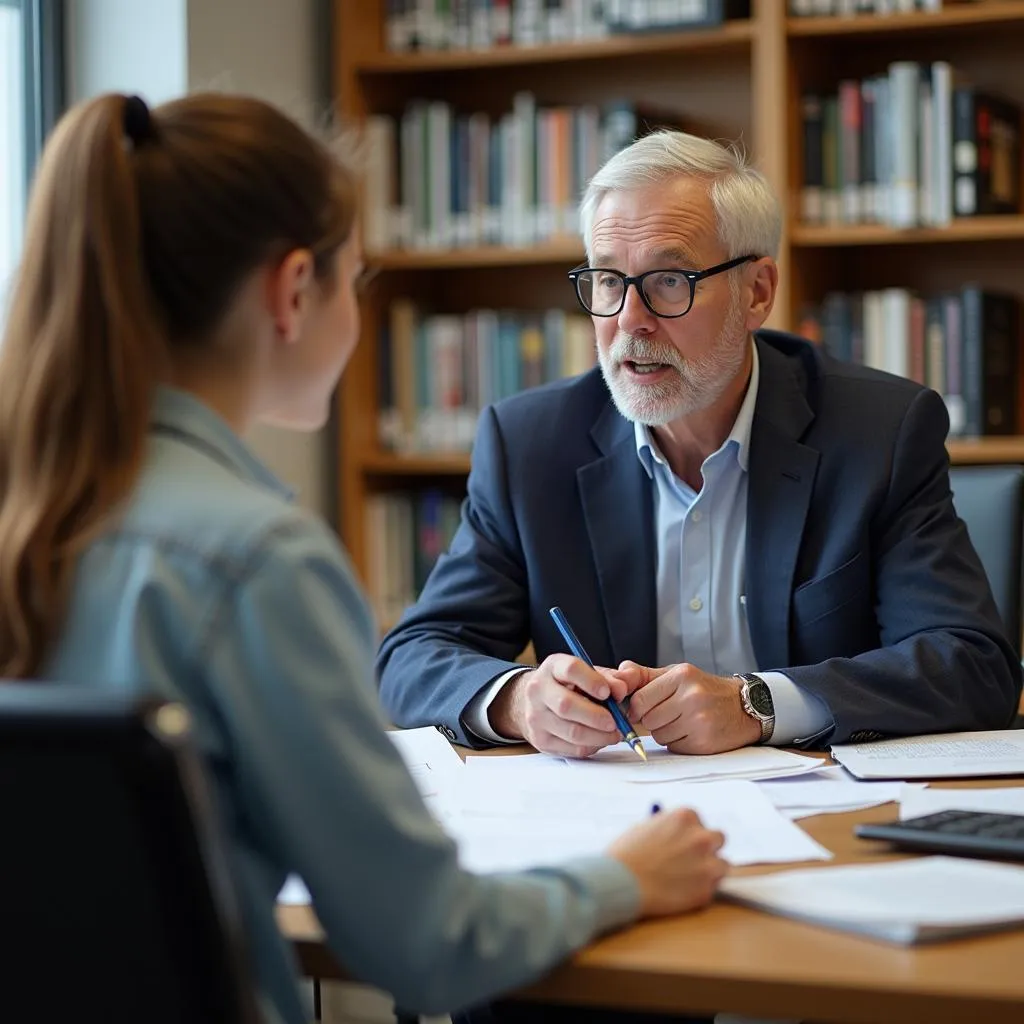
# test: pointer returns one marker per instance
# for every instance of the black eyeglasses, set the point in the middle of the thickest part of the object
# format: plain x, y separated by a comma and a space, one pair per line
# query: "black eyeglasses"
666, 293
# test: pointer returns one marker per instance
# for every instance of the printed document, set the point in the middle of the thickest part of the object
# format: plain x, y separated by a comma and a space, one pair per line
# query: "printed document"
944, 755
905, 901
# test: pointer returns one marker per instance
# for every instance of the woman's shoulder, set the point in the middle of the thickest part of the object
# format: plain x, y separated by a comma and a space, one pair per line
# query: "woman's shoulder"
186, 501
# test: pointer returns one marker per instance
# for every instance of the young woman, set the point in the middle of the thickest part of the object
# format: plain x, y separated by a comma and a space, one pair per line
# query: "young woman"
187, 272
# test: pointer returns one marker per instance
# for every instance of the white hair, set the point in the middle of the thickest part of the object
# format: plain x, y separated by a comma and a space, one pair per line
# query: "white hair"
746, 208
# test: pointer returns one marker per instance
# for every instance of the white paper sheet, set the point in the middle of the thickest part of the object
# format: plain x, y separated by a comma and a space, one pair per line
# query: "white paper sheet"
914, 802
428, 756
903, 901
946, 755
528, 822
620, 763
828, 791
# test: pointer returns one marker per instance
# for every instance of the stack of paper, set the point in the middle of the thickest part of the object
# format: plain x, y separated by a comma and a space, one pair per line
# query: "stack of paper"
916, 802
906, 902
619, 763
428, 756
830, 791
525, 811
525, 821
946, 755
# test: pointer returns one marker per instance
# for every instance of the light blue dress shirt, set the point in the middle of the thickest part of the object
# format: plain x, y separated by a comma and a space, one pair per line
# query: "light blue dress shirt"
213, 589
701, 543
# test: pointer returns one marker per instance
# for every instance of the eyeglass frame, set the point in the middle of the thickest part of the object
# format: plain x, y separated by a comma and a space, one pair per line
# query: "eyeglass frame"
693, 277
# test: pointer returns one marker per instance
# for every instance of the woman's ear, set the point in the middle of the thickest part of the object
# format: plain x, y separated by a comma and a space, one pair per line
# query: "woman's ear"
290, 291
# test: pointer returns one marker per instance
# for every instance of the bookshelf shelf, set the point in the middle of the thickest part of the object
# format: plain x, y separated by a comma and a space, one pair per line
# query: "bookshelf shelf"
733, 37
969, 229
391, 464
949, 19
962, 451
982, 450
568, 251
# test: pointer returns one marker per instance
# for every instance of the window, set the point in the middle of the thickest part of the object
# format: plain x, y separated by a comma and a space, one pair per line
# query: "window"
30, 94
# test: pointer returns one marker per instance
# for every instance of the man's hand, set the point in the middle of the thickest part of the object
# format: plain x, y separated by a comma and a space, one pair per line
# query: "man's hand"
687, 710
550, 708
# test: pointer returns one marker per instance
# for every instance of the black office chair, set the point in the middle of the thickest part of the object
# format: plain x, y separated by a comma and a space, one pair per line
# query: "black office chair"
990, 500
117, 906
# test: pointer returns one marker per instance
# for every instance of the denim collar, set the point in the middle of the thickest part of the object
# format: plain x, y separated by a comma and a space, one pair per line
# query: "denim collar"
181, 414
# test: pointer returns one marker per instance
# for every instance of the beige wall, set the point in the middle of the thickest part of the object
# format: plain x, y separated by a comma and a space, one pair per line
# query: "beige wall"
162, 48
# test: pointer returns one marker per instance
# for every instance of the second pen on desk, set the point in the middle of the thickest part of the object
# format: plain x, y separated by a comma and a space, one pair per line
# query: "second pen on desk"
628, 733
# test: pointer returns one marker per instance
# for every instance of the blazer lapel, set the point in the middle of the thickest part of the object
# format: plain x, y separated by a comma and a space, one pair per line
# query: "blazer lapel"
618, 509
781, 480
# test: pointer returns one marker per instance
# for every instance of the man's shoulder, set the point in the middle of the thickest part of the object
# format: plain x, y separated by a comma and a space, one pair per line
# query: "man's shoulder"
824, 375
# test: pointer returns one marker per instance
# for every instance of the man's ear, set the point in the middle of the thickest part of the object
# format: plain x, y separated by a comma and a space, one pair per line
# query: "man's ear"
289, 292
763, 284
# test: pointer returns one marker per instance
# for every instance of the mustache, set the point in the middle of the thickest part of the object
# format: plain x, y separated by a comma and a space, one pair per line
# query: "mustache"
636, 349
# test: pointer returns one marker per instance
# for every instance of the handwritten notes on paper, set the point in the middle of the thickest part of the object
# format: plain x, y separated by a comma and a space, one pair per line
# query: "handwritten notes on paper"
525, 821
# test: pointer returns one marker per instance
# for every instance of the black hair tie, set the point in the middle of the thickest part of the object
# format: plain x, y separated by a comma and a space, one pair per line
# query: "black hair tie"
138, 122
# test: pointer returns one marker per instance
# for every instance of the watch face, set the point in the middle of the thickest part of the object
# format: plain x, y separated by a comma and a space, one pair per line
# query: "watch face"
761, 698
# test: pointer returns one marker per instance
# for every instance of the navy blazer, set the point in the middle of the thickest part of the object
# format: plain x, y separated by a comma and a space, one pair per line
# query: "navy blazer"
861, 582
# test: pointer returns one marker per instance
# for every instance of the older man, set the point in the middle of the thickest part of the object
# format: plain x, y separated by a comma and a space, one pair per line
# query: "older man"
753, 540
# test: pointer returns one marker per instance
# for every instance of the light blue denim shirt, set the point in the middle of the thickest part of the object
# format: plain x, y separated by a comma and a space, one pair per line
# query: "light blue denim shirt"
213, 589
701, 540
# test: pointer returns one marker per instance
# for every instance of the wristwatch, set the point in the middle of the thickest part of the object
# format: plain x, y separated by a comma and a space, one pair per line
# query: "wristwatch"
756, 698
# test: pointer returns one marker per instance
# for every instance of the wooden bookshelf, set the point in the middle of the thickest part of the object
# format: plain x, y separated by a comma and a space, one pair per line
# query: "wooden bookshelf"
741, 81
734, 37
947, 20
971, 229
392, 464
557, 253
962, 451
986, 450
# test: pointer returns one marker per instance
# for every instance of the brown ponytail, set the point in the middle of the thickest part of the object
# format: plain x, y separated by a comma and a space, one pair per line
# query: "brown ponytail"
140, 230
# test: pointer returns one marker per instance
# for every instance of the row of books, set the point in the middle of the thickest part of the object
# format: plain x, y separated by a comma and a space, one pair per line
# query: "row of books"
406, 534
913, 146
482, 24
965, 345
437, 372
849, 8
436, 178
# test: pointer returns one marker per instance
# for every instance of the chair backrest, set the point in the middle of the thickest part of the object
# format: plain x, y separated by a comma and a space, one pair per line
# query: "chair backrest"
117, 904
990, 500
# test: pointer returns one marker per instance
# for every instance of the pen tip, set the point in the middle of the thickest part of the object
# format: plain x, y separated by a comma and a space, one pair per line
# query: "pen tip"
639, 751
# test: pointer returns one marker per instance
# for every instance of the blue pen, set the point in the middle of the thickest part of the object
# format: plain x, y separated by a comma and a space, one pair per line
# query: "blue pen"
609, 702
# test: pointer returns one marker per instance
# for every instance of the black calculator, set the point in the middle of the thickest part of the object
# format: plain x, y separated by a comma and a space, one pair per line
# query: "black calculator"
967, 833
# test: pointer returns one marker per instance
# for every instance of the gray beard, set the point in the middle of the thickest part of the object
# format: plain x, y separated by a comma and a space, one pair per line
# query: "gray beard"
693, 385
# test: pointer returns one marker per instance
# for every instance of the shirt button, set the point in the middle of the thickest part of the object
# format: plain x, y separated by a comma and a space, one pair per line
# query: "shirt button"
696, 515
696, 604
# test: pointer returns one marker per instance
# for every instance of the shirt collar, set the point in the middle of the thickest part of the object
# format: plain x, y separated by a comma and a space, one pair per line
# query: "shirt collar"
180, 413
647, 448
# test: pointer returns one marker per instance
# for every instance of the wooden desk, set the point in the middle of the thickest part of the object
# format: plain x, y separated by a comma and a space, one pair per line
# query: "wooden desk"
740, 960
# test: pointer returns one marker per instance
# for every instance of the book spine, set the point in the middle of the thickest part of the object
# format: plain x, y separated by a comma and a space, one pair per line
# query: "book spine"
811, 204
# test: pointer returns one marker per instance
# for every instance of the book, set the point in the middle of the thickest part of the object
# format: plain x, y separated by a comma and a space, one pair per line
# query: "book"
986, 153
924, 899
991, 342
